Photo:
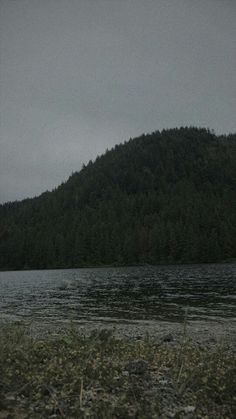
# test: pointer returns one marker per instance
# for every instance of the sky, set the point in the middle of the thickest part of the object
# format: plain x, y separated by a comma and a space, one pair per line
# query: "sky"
79, 76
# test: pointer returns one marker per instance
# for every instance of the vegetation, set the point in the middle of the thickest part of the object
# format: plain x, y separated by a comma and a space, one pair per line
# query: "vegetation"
166, 197
99, 376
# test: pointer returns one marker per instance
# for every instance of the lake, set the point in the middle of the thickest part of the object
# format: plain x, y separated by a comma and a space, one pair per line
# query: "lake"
120, 295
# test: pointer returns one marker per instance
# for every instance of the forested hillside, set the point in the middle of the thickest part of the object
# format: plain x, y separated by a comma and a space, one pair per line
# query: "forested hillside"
161, 198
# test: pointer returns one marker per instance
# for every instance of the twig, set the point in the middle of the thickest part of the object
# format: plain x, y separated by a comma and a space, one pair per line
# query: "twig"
81, 393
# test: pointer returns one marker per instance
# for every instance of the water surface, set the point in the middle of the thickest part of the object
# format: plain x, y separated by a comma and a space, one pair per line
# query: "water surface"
120, 295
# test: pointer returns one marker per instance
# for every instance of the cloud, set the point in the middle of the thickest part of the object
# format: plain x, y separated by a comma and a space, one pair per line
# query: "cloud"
78, 77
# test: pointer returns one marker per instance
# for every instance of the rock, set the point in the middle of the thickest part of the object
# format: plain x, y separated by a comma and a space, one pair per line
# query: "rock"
163, 382
188, 409
137, 367
138, 337
10, 397
168, 338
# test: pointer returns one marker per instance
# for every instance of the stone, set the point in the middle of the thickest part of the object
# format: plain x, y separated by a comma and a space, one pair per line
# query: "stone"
137, 367
188, 409
168, 338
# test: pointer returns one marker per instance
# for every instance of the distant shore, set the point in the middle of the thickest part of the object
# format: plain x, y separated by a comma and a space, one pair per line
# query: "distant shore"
228, 261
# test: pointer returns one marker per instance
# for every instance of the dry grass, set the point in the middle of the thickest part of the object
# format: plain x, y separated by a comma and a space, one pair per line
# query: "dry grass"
99, 376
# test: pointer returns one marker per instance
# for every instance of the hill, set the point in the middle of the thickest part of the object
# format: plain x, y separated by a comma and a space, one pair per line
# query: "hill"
161, 198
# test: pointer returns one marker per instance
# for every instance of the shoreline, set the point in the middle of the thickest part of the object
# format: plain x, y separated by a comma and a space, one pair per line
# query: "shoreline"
101, 374
202, 333
176, 263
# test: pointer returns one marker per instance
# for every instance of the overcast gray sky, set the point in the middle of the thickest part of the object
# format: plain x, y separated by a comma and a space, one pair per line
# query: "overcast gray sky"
78, 76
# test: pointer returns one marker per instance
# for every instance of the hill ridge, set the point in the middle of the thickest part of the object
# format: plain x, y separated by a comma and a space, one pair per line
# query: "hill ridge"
164, 197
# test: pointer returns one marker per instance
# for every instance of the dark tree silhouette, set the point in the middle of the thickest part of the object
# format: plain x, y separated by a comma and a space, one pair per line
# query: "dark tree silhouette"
167, 197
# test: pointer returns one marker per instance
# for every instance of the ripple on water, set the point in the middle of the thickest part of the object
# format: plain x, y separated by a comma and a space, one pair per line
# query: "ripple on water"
161, 293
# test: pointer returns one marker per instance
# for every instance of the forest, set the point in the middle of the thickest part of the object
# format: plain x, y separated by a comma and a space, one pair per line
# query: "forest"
162, 198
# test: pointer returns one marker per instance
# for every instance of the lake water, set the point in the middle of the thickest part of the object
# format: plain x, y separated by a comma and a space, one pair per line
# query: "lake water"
120, 295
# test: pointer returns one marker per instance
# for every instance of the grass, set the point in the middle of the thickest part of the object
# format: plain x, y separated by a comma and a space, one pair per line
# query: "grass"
99, 376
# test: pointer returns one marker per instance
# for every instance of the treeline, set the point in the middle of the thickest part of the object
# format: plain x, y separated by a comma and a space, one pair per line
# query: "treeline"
167, 197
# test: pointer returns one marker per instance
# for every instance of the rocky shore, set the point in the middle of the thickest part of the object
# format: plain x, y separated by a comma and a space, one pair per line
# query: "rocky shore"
124, 371
201, 333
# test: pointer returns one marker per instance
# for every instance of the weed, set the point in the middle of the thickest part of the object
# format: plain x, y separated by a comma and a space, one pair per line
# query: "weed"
76, 376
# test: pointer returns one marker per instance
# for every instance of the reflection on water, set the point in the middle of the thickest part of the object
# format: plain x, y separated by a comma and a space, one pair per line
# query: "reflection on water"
120, 294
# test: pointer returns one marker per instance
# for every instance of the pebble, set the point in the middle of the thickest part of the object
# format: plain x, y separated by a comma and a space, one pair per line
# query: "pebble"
168, 338
137, 367
188, 409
